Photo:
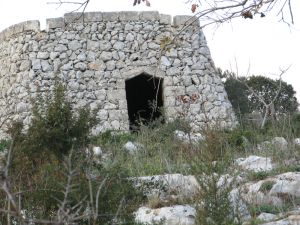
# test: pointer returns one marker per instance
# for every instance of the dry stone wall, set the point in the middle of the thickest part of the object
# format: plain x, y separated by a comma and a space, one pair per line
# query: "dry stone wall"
95, 53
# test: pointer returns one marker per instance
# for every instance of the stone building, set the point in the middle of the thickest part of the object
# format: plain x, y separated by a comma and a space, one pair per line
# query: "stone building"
112, 62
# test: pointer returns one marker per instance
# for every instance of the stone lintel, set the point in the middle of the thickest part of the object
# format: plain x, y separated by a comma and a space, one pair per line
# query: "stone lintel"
149, 70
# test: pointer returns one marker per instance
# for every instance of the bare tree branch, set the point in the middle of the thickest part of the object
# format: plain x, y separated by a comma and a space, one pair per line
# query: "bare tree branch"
268, 106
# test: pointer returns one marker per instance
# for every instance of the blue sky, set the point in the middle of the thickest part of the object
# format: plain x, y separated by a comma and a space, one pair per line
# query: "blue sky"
262, 45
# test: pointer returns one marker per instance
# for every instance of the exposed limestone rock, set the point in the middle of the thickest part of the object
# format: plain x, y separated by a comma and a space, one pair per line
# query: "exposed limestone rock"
255, 163
177, 214
273, 191
193, 138
266, 217
169, 186
132, 147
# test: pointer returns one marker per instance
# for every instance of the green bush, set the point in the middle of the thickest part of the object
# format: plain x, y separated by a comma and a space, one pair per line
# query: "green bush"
55, 127
266, 186
261, 175
265, 208
3, 145
39, 165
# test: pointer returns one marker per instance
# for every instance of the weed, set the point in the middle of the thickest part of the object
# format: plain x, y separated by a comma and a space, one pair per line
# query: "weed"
261, 175
4, 145
266, 186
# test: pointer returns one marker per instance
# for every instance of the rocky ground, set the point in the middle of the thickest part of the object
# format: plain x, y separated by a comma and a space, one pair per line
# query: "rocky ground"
260, 191
261, 188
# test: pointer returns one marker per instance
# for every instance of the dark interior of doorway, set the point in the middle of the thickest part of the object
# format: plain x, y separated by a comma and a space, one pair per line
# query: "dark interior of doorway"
144, 100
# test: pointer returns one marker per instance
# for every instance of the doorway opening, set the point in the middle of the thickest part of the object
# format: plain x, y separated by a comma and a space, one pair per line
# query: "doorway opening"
144, 96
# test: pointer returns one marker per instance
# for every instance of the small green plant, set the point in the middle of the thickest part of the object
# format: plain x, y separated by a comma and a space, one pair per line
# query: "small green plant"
109, 138
56, 127
267, 186
266, 208
212, 160
261, 175
3, 145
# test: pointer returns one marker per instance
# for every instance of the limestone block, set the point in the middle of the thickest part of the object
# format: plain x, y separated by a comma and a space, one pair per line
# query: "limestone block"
93, 16
55, 23
165, 61
105, 45
32, 25
21, 107
74, 45
60, 48
116, 95
92, 45
36, 64
18, 28
110, 16
2, 36
119, 45
173, 71
102, 114
184, 187
170, 101
75, 17
129, 16
153, 45
129, 37
8, 32
115, 125
149, 16
115, 114
80, 66
100, 94
46, 66
106, 56
172, 53
43, 55
111, 65
181, 20
25, 65
165, 19
177, 214
255, 163
97, 65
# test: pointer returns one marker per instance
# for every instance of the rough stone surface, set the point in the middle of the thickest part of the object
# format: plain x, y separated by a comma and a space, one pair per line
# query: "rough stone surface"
279, 188
97, 151
280, 143
289, 220
169, 186
255, 163
132, 147
174, 215
188, 138
266, 217
297, 141
99, 51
